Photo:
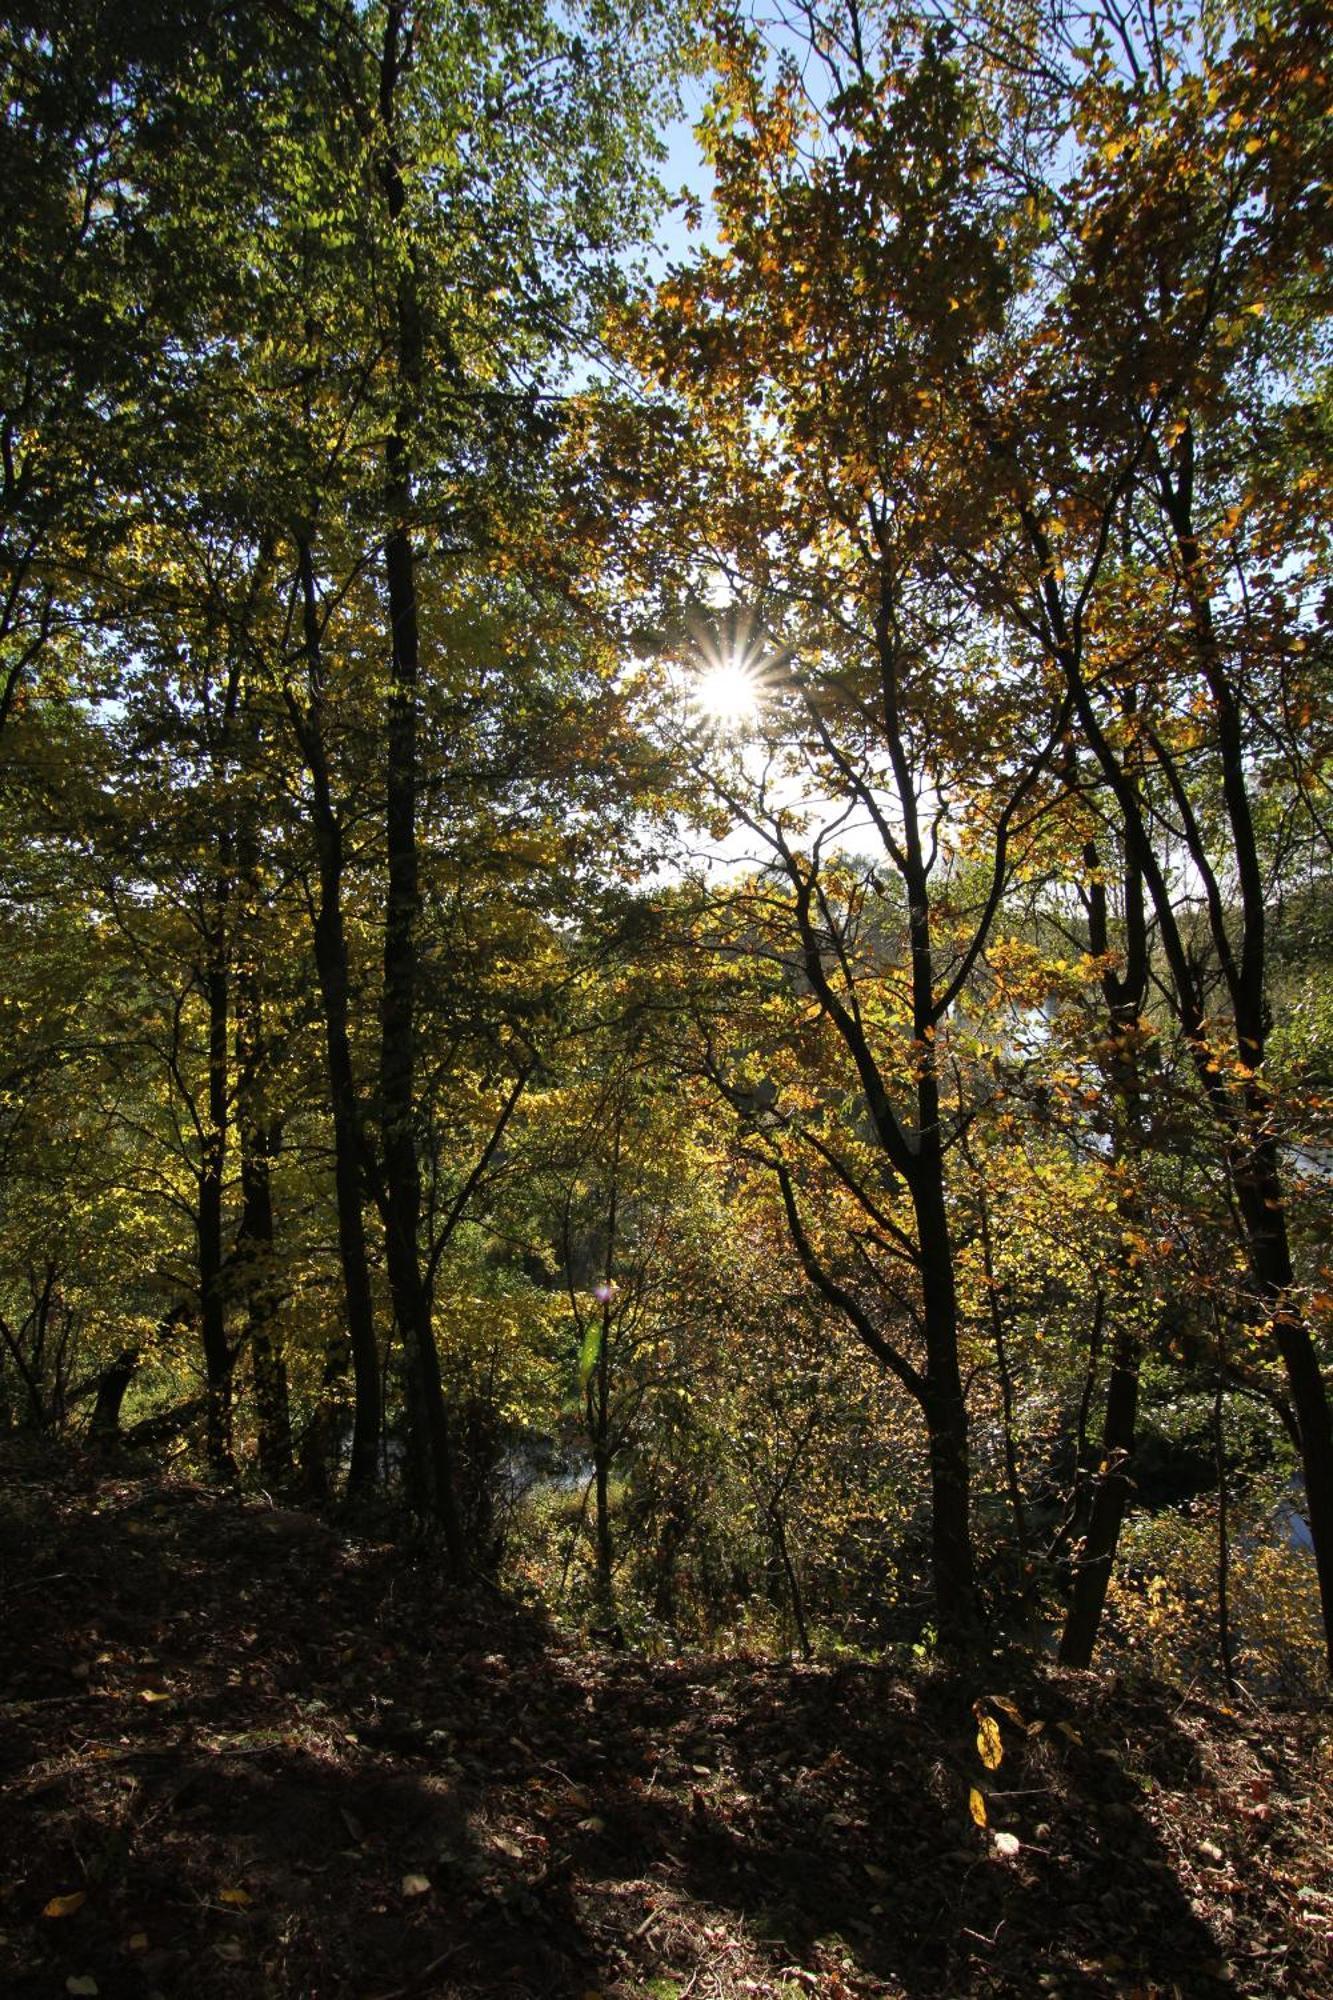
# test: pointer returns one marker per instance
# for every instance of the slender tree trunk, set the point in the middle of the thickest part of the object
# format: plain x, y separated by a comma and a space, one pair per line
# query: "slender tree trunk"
260, 1134
1225, 1645
675, 1530
599, 1389
211, 1256
1111, 1489
273, 1421
333, 973
777, 1528
945, 1411
1252, 1154
398, 1023
1000, 1343
1239, 942
599, 1411
1112, 1486
602, 1470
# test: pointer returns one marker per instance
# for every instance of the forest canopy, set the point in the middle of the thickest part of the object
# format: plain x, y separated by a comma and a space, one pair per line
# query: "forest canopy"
665, 855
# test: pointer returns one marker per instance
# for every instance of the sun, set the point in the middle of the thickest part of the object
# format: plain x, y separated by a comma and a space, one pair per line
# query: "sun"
726, 693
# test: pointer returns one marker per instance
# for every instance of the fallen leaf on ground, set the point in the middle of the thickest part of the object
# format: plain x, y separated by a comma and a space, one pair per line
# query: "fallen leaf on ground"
65, 1906
416, 1885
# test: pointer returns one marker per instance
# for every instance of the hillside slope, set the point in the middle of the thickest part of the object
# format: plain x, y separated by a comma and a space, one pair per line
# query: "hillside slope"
241, 1755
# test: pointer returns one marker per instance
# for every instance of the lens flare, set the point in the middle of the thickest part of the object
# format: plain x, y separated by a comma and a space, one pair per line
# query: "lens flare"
727, 692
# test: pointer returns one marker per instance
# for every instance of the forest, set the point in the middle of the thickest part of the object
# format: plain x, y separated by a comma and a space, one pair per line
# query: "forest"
666, 998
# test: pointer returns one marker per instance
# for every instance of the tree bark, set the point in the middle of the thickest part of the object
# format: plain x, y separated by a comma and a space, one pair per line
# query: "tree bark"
1112, 1486
334, 976
1242, 1114
945, 1412
211, 1255
112, 1385
400, 1161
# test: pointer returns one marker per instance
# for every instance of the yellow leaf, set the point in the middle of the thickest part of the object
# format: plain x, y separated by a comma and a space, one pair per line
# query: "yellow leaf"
238, 1897
976, 1805
153, 1694
65, 1906
989, 1747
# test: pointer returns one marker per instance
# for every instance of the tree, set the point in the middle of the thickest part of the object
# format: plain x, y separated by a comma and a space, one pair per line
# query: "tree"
822, 491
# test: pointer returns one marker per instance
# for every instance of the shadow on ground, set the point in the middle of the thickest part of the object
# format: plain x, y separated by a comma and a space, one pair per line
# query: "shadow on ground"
270, 1761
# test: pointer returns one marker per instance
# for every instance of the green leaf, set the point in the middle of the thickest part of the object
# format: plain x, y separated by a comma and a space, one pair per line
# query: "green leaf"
589, 1355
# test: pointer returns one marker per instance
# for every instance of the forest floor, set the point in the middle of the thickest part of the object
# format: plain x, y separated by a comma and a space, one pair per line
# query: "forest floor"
244, 1756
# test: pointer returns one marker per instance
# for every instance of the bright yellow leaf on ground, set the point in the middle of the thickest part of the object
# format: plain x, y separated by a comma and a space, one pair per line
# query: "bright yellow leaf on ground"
65, 1906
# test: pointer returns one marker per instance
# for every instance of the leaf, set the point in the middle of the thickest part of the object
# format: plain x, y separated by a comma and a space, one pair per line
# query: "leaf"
239, 1898
137, 1941
153, 1694
589, 1355
65, 1906
231, 1949
1068, 1729
82, 1982
976, 1805
1007, 1844
1007, 1707
415, 1885
989, 1747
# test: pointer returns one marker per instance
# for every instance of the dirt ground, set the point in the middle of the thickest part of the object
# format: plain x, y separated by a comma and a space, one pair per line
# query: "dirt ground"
244, 1755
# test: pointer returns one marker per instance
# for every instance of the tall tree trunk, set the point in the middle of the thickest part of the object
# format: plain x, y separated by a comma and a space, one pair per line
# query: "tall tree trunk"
1252, 1153
400, 1162
255, 1245
1112, 1485
333, 973
260, 1134
944, 1406
999, 1341
211, 1256
1241, 1114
